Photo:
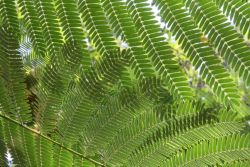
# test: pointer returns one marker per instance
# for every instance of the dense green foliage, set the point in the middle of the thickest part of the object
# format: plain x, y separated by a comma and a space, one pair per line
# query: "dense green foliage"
119, 83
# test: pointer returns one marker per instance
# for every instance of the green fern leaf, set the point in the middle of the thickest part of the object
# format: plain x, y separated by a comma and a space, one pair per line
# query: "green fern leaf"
95, 23
104, 83
13, 78
122, 25
239, 13
216, 152
33, 26
183, 132
29, 148
200, 54
70, 20
59, 72
9, 15
157, 48
222, 35
50, 26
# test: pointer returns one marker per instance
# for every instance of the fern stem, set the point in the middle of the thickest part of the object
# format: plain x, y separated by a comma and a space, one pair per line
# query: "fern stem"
49, 139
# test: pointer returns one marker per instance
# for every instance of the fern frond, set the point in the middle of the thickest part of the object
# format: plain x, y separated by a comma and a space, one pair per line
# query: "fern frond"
81, 162
3, 149
75, 53
111, 67
162, 150
50, 25
31, 21
5, 100
44, 152
59, 72
131, 137
93, 86
94, 82
62, 157
95, 22
74, 117
200, 54
219, 151
105, 88
138, 131
158, 49
123, 26
13, 143
64, 65
13, 77
223, 36
238, 164
239, 13
30, 148
182, 132
70, 20
154, 89
9, 16
112, 118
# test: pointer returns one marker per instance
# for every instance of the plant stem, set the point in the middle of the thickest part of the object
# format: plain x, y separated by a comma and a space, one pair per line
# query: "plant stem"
49, 139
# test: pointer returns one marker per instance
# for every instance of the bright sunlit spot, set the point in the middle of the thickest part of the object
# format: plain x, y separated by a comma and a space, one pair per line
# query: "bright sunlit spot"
9, 158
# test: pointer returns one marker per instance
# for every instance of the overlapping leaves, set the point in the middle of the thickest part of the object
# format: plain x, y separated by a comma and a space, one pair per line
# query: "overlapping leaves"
74, 97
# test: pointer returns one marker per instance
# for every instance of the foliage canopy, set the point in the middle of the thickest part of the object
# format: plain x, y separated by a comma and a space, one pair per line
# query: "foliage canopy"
125, 83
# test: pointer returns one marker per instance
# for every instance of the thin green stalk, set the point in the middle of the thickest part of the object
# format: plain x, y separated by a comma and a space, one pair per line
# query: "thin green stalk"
49, 139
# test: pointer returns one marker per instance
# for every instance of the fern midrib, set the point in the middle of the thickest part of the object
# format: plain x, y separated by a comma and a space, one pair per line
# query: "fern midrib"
50, 140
